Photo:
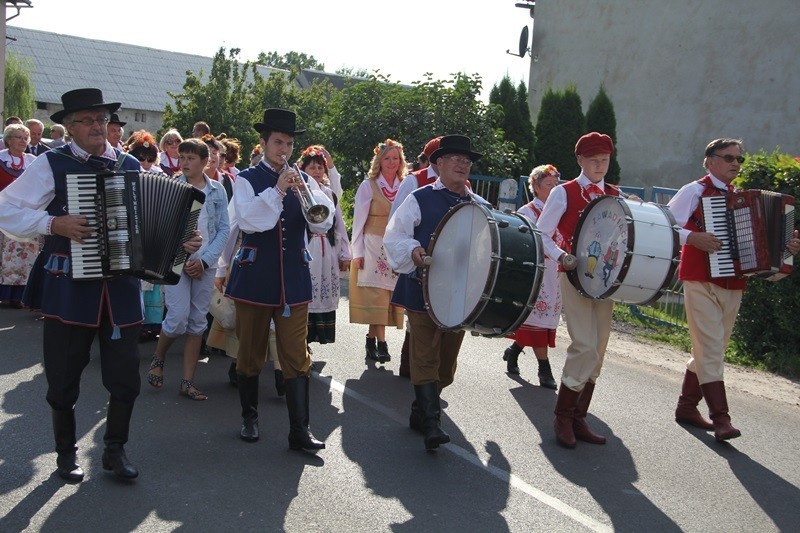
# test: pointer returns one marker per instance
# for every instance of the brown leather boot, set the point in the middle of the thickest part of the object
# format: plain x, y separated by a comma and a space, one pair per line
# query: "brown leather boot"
717, 401
565, 413
579, 425
691, 394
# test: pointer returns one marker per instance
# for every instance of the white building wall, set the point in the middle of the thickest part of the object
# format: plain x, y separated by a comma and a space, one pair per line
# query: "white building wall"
679, 74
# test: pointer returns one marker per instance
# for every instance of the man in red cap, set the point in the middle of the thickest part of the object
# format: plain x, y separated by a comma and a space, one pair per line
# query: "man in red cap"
412, 182
588, 320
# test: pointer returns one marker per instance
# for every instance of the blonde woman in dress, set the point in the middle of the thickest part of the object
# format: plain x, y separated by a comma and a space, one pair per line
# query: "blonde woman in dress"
371, 279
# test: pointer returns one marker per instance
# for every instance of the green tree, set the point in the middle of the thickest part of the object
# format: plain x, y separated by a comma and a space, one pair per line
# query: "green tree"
516, 122
600, 118
290, 60
559, 125
367, 112
19, 91
234, 97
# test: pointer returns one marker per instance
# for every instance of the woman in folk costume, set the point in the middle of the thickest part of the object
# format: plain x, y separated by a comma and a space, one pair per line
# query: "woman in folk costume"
170, 161
17, 257
330, 254
539, 329
371, 279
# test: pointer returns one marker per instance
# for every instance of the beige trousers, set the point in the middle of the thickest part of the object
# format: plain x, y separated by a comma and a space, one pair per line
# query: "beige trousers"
711, 312
433, 354
589, 327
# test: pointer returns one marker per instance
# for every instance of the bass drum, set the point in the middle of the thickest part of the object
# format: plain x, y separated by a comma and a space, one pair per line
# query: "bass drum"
485, 272
627, 250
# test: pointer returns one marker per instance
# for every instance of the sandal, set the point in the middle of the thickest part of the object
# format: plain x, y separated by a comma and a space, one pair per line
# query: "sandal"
185, 389
153, 379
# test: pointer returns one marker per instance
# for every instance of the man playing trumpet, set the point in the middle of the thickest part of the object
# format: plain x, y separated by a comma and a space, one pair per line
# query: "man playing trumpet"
270, 277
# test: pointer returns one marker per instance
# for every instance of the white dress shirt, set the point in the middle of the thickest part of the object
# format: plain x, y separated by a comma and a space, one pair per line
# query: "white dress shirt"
554, 210
685, 201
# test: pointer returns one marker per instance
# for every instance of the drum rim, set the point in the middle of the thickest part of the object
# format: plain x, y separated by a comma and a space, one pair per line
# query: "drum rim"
676, 254
572, 275
493, 266
537, 278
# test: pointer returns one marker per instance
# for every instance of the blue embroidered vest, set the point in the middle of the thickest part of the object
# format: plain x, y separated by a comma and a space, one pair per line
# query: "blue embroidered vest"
433, 205
50, 287
271, 267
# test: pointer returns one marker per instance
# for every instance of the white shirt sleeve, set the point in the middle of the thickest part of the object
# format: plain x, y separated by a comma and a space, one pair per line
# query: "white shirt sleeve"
336, 182
361, 205
256, 213
554, 209
408, 185
23, 202
399, 241
343, 244
683, 204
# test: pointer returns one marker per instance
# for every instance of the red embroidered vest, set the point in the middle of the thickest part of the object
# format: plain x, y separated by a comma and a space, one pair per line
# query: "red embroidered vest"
694, 262
577, 200
424, 177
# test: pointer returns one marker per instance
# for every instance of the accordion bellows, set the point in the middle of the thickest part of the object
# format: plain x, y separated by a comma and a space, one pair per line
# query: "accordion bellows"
141, 220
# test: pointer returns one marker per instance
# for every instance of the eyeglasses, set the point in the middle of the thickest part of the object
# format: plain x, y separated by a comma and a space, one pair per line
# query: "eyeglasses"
459, 160
102, 121
172, 141
148, 159
728, 158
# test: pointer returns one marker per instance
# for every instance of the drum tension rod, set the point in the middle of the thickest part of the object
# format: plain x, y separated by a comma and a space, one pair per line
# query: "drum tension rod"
502, 224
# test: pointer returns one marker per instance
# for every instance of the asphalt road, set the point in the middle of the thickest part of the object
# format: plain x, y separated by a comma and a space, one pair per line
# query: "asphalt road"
502, 472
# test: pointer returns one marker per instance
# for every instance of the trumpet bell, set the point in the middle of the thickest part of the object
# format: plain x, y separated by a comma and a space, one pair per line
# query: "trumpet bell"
317, 213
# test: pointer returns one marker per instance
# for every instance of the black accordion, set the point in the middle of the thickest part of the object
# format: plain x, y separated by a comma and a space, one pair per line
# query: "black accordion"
141, 221
754, 226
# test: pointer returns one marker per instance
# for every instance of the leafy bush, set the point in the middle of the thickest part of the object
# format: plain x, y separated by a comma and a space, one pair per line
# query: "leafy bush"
766, 333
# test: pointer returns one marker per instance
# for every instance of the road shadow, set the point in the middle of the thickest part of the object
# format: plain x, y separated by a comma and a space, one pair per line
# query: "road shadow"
607, 471
395, 464
769, 490
195, 472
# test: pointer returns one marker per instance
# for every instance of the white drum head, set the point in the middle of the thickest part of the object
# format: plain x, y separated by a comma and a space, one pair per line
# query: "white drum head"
600, 246
459, 272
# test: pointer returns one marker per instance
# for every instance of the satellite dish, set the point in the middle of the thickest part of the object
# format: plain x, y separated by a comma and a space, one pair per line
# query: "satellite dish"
523, 42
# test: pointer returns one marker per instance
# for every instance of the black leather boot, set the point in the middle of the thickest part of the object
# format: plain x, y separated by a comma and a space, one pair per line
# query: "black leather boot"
232, 374
64, 430
118, 423
248, 397
416, 420
280, 386
372, 348
511, 355
546, 375
300, 438
428, 401
383, 352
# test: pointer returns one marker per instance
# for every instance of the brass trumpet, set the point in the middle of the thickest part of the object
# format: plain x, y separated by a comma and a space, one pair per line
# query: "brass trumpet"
313, 211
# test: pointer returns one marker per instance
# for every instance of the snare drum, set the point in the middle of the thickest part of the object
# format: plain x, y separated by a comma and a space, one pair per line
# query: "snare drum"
627, 250
486, 270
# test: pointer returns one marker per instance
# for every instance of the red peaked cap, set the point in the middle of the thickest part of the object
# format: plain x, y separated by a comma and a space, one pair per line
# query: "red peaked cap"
431, 146
594, 143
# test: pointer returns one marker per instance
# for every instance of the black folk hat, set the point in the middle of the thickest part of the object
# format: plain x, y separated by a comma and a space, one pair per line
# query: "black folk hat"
281, 120
455, 144
80, 100
115, 120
